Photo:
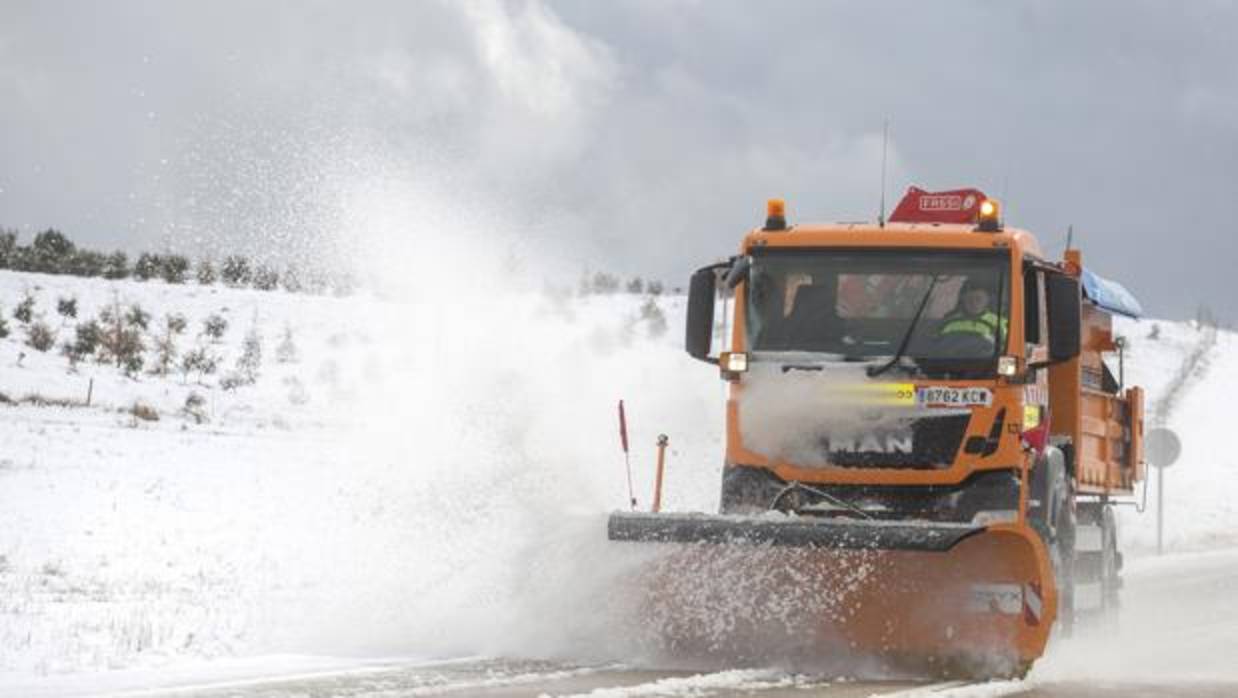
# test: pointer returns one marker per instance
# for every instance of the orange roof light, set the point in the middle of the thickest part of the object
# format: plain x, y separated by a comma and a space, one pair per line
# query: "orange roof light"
775, 214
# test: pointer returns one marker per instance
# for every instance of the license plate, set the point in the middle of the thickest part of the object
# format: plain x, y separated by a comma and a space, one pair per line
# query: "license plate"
939, 396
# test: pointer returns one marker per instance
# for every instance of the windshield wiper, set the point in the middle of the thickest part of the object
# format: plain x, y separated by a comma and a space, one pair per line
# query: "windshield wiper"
874, 371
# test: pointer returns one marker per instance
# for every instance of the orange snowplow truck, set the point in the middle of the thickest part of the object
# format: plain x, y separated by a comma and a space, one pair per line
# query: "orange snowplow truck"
932, 391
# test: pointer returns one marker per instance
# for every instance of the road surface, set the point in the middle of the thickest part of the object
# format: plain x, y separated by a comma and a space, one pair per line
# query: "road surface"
1177, 637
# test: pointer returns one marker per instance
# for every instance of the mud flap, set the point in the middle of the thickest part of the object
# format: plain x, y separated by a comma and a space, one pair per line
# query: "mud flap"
945, 598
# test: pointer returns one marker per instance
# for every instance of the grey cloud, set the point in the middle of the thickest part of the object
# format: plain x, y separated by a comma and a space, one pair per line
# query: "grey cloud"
641, 136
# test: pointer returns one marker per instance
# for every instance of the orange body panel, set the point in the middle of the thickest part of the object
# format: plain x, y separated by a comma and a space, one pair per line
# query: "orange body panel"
910, 605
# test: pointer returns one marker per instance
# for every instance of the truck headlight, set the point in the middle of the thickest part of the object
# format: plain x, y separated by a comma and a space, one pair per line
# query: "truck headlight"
735, 362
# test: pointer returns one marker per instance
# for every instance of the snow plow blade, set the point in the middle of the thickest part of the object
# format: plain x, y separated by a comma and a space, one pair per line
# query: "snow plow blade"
849, 534
926, 597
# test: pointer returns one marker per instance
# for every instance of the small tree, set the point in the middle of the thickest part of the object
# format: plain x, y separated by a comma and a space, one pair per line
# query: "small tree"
66, 307
266, 278
137, 317
235, 271
291, 280
176, 323
214, 327
8, 248
51, 252
636, 286
116, 266
165, 344
85, 341
654, 318
605, 284
250, 360
87, 263
147, 267
286, 352
39, 336
4, 327
198, 360
206, 272
654, 288
175, 268
24, 311
120, 341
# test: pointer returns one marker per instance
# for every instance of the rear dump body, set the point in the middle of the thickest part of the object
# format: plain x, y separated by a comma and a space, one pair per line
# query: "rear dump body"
893, 487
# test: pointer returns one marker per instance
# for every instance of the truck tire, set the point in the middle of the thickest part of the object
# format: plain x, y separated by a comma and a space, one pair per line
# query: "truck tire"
1098, 566
1052, 515
1062, 552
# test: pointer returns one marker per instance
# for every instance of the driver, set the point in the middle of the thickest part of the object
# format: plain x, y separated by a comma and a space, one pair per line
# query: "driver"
974, 314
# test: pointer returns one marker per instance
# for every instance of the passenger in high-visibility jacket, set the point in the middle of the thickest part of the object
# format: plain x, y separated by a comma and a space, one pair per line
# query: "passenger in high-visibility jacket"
974, 314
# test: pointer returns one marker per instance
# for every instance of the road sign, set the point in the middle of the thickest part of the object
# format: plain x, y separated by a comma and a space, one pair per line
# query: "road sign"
1162, 447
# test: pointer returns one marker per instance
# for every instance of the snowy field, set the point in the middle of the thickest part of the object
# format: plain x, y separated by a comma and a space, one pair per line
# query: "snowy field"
408, 479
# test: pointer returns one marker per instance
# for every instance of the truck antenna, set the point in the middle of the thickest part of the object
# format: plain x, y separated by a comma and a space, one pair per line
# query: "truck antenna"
885, 140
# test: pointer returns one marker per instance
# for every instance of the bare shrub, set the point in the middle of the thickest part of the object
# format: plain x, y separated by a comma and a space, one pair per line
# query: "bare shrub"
39, 336
120, 342
141, 410
165, 344
195, 408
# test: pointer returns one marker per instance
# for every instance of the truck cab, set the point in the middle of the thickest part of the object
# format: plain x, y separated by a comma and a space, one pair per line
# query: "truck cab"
921, 368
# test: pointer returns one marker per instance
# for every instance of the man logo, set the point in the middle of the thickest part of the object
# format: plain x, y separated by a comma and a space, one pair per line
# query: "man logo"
874, 443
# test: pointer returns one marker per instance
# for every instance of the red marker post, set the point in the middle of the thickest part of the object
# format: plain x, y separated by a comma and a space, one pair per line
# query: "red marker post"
627, 461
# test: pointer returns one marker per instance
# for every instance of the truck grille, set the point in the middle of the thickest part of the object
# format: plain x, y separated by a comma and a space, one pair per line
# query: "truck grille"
925, 443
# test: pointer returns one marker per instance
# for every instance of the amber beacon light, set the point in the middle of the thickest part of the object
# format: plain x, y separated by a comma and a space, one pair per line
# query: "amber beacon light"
990, 216
775, 214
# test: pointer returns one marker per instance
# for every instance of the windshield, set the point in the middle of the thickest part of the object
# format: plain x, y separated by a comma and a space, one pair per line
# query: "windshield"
861, 303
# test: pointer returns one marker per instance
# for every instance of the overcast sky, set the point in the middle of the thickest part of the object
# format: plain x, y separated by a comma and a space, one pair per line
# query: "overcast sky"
642, 137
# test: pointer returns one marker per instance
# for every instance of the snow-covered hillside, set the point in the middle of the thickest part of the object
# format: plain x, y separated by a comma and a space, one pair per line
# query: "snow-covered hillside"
416, 477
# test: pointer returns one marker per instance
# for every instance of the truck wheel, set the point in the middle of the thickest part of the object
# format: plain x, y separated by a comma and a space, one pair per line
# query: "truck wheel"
1052, 515
1098, 566
1062, 553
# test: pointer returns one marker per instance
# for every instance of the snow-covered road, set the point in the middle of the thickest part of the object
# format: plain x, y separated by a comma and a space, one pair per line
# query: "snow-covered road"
1176, 638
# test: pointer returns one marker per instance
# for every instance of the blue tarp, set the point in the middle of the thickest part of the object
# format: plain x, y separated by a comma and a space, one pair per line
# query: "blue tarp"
1110, 295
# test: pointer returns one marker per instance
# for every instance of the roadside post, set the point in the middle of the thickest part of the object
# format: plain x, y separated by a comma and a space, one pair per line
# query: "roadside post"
1162, 448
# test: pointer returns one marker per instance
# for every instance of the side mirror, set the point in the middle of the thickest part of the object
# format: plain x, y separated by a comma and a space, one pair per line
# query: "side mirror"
700, 325
1065, 316
738, 272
